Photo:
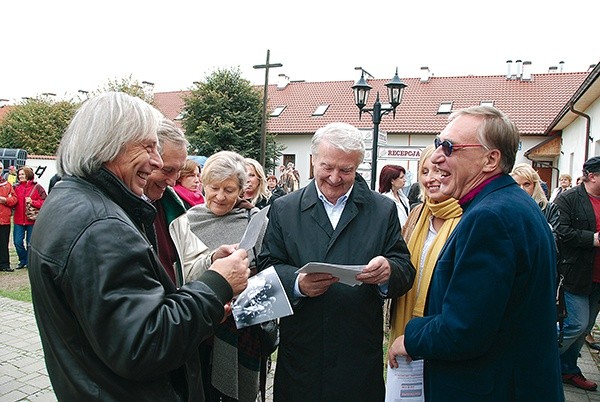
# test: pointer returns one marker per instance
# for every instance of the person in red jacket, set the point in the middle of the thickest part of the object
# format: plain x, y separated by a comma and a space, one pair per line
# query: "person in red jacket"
27, 191
8, 199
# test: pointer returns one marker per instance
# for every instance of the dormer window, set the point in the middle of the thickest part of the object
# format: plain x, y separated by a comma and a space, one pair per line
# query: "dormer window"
445, 108
487, 103
277, 111
320, 110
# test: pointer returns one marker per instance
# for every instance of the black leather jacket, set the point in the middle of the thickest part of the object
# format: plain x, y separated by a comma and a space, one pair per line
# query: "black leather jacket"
577, 225
113, 325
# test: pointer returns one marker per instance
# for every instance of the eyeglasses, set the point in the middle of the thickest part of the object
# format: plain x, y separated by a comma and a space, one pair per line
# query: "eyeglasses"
449, 147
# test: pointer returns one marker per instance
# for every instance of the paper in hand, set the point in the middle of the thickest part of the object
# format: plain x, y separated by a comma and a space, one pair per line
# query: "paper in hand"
264, 299
346, 273
253, 229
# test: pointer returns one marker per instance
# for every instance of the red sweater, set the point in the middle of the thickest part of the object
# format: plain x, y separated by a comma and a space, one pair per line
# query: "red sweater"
24, 190
7, 191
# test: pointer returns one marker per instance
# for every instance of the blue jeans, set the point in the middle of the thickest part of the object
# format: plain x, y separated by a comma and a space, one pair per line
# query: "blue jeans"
581, 317
21, 236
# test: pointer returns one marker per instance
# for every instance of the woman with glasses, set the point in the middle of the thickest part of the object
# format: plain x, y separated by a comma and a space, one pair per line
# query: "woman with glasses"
391, 182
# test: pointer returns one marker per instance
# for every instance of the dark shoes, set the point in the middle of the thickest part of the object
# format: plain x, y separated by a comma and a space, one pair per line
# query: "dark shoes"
6, 269
593, 345
579, 381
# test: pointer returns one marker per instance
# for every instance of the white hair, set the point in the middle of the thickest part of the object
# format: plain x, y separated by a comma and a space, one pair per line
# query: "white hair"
340, 135
100, 129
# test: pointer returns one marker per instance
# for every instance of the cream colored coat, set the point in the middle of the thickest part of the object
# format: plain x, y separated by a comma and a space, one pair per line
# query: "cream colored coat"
195, 257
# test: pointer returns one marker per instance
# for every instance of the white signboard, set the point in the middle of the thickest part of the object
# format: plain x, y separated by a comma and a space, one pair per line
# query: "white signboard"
403, 153
368, 136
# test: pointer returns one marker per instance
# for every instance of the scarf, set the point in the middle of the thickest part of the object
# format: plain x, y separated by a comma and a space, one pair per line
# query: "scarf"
412, 304
189, 196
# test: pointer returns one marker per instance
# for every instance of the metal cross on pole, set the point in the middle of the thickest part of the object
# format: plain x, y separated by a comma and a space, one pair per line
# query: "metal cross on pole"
263, 127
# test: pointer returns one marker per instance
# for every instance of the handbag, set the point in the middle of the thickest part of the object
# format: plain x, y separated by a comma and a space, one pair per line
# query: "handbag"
31, 212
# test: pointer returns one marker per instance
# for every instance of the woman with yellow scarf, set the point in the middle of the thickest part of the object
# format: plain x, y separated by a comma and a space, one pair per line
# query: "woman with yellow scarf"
428, 227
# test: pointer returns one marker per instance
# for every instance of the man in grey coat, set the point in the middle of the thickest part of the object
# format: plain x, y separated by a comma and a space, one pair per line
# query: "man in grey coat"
331, 347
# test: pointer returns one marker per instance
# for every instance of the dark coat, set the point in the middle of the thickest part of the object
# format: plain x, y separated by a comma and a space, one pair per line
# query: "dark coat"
489, 333
577, 225
112, 324
331, 348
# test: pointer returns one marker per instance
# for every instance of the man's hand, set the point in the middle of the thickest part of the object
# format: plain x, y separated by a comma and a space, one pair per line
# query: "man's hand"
315, 284
227, 308
223, 251
234, 269
397, 349
376, 272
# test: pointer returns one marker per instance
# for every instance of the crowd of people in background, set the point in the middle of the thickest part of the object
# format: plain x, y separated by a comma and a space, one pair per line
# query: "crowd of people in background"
132, 291
19, 192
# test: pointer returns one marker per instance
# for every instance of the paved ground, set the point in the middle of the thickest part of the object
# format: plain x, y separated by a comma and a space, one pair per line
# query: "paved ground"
23, 375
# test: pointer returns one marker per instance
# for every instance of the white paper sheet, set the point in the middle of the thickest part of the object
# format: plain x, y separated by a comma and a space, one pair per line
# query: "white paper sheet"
405, 383
346, 273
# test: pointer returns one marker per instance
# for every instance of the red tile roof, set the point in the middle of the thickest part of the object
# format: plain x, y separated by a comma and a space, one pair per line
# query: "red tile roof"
532, 105
4, 111
170, 104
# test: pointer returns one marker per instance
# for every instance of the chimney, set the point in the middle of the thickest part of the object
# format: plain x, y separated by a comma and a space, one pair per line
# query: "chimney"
519, 69
508, 69
425, 74
282, 81
526, 71
552, 69
561, 65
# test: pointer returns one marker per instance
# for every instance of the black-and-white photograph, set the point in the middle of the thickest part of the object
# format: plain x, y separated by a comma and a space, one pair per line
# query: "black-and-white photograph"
264, 299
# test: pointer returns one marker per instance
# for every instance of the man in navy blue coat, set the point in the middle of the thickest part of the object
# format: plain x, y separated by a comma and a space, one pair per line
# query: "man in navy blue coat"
489, 332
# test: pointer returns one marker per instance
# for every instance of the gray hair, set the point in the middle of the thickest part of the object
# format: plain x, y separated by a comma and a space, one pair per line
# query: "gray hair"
169, 132
99, 130
340, 135
496, 131
222, 166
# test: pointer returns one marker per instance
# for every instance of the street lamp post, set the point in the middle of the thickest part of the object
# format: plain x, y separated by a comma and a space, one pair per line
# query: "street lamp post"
361, 93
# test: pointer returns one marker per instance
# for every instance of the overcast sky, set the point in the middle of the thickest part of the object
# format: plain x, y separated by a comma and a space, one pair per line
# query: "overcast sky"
62, 46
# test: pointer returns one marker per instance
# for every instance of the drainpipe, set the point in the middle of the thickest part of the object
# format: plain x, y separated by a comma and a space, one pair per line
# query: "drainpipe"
587, 128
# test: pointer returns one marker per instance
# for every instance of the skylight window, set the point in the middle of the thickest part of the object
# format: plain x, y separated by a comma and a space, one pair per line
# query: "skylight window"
445, 108
320, 110
277, 111
487, 103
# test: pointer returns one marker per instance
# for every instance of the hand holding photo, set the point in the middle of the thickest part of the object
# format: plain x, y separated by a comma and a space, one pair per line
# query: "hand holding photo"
264, 299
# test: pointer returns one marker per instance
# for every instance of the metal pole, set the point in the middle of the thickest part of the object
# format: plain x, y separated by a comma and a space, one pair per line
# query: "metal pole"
376, 120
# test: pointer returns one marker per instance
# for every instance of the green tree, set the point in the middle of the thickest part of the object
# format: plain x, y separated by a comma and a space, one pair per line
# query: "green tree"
36, 125
224, 112
130, 86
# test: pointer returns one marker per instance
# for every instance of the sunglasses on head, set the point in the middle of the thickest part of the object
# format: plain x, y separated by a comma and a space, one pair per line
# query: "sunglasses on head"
448, 147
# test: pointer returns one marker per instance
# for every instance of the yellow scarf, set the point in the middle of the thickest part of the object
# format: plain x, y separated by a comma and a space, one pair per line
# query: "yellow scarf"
412, 304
